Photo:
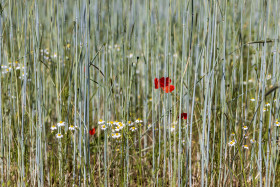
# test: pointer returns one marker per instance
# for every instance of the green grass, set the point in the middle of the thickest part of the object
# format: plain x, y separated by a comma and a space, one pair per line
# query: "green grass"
82, 61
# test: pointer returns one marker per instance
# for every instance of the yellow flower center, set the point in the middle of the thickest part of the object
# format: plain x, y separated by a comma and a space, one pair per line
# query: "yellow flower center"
60, 122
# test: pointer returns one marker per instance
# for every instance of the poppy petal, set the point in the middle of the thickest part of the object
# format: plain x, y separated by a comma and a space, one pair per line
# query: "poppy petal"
156, 83
169, 88
92, 131
164, 81
184, 116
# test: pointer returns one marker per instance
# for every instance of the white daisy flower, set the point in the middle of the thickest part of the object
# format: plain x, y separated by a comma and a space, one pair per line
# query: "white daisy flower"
4, 71
175, 55
58, 135
250, 80
244, 82
129, 123
101, 122
46, 58
245, 147
175, 122
117, 129
150, 125
116, 122
72, 128
138, 121
46, 51
268, 77
54, 55
130, 55
183, 142
245, 128
232, 143
110, 123
116, 135
252, 99
103, 127
252, 141
61, 124
172, 128
264, 109
274, 100
121, 125
22, 76
232, 134
277, 124
133, 129
117, 47
53, 127
267, 104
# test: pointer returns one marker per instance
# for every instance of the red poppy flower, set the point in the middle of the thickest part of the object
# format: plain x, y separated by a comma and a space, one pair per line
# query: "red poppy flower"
163, 82
168, 88
184, 116
156, 83
92, 131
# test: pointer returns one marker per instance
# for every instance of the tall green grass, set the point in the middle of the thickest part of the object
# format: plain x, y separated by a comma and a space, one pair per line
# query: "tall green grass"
82, 61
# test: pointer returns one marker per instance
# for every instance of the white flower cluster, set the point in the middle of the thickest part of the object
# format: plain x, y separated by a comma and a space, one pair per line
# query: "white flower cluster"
59, 125
116, 127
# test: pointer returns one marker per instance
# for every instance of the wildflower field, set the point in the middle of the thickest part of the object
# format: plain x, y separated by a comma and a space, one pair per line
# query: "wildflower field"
139, 93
